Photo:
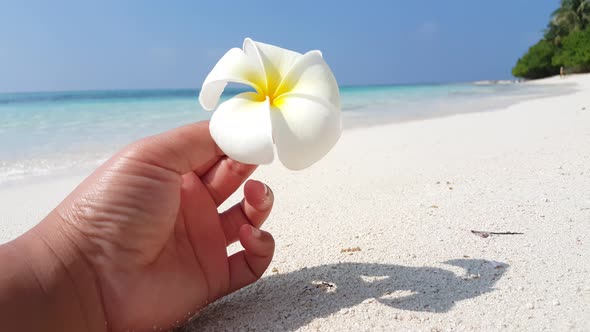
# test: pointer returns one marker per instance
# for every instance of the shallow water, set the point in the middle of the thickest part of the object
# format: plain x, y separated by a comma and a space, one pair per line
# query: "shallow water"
62, 132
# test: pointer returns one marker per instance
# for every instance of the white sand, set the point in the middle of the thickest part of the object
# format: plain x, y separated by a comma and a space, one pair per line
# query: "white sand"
408, 195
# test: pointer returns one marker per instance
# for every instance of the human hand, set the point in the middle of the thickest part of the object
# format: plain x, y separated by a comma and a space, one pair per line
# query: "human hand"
145, 231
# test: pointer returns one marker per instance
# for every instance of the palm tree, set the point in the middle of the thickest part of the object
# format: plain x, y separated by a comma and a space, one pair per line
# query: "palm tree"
555, 32
572, 15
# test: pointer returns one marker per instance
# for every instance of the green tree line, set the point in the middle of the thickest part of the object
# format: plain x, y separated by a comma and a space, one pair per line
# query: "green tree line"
566, 43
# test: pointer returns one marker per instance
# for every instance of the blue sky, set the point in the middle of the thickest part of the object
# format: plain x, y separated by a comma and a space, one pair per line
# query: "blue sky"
82, 45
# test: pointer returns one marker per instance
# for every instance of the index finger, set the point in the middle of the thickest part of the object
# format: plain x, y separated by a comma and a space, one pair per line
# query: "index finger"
189, 148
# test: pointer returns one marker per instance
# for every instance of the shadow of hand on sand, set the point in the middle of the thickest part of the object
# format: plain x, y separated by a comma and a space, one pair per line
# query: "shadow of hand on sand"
291, 300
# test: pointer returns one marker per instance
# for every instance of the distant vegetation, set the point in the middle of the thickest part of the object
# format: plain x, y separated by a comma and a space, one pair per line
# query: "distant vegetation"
566, 44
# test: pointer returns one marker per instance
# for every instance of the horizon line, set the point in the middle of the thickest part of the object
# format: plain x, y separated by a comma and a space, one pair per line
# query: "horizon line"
198, 89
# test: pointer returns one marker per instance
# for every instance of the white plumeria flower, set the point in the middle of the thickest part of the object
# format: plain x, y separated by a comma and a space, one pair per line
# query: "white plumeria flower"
296, 105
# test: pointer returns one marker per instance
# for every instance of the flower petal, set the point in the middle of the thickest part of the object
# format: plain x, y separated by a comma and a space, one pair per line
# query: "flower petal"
305, 128
276, 62
241, 128
311, 76
235, 66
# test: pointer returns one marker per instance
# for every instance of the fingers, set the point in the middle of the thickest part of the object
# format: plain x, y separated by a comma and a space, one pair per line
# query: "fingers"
252, 210
248, 265
182, 150
225, 177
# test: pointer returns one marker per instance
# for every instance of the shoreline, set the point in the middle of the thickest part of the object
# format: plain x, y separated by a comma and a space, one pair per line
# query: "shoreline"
367, 118
567, 88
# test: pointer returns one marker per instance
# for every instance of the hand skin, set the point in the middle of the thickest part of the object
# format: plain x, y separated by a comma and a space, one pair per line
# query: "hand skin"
139, 245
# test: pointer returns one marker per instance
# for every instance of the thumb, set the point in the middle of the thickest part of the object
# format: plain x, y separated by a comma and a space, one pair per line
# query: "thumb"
181, 150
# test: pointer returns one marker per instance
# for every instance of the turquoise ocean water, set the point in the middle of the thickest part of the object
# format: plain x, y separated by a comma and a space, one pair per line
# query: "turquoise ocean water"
54, 133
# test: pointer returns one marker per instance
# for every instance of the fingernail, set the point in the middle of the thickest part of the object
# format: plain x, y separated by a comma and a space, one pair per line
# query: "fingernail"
256, 232
266, 190
268, 198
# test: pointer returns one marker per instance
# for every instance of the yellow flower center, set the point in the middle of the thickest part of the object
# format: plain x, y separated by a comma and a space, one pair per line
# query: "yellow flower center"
272, 90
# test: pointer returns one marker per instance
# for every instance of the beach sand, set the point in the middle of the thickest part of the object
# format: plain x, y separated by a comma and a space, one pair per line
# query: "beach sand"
377, 236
